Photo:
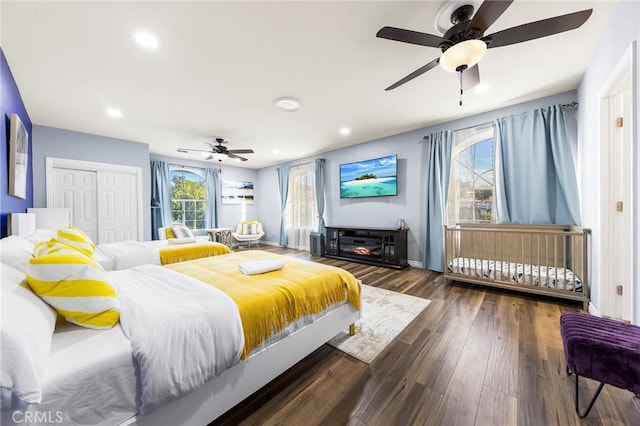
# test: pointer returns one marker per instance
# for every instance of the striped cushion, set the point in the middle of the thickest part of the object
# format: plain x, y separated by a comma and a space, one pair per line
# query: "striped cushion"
76, 238
75, 285
182, 232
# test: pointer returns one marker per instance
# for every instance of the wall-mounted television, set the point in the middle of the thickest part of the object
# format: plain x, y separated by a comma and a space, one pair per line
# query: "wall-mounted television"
377, 177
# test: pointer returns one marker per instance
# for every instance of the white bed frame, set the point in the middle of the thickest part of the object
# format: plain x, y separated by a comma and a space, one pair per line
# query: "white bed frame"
219, 395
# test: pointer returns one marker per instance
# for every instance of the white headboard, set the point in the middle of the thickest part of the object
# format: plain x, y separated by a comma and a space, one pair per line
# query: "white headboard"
51, 218
21, 224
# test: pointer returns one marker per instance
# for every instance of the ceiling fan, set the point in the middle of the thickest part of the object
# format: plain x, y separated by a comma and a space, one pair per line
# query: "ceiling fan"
464, 44
218, 151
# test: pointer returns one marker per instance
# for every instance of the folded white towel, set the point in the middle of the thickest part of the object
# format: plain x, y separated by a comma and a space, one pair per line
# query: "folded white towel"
261, 266
181, 240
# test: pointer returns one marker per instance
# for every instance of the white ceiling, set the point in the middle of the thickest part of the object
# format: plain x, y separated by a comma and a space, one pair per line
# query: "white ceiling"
220, 65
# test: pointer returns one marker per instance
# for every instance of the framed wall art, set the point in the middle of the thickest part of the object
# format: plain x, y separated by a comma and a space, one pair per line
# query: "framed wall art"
237, 192
18, 157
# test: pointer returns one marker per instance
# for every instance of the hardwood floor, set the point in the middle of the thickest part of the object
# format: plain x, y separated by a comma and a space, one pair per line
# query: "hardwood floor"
475, 356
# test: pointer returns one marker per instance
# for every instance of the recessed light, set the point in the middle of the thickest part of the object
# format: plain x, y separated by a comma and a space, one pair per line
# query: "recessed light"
288, 104
481, 88
276, 152
146, 40
345, 131
114, 113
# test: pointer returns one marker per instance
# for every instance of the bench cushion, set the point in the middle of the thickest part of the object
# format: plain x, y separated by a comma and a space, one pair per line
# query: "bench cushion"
602, 349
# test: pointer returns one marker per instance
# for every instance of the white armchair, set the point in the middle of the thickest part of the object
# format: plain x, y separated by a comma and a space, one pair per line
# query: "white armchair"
248, 231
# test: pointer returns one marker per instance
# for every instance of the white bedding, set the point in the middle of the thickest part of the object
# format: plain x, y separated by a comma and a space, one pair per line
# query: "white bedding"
183, 334
126, 254
542, 276
89, 379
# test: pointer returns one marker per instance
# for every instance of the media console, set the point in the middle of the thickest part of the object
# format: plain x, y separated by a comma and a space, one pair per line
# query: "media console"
375, 246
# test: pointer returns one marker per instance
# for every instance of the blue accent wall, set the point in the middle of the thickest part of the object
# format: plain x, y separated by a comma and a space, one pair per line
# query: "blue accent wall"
12, 103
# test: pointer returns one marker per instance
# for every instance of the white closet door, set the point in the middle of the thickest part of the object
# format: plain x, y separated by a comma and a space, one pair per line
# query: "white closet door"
105, 199
118, 201
76, 190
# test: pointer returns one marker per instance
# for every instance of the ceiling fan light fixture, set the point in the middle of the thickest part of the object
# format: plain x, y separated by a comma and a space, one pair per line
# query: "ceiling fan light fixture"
468, 52
219, 156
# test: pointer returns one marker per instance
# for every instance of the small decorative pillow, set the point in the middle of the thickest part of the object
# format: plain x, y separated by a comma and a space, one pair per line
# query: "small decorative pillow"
249, 228
75, 285
168, 232
44, 248
182, 232
77, 239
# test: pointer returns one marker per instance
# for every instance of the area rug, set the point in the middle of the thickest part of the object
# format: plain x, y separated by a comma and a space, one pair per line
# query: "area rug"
384, 315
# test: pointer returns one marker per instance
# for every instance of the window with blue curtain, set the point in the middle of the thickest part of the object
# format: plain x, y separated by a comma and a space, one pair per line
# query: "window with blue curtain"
188, 198
472, 180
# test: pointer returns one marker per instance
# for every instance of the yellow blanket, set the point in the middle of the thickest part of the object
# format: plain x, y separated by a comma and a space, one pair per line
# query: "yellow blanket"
268, 302
191, 251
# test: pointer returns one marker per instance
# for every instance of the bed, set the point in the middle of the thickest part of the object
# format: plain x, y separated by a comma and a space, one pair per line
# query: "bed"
125, 254
98, 377
540, 259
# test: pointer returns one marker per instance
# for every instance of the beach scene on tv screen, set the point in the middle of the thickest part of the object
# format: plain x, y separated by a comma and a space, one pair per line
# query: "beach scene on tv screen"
370, 178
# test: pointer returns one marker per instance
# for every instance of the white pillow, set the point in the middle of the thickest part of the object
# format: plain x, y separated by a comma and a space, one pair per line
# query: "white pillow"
26, 330
40, 235
182, 232
16, 251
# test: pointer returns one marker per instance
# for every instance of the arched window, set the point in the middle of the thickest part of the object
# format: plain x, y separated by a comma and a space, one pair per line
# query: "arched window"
188, 198
471, 182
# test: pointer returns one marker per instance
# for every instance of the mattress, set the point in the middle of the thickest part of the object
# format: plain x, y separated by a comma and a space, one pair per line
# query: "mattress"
89, 378
520, 273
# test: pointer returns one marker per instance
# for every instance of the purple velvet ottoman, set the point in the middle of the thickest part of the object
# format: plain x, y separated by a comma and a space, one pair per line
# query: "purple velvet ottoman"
601, 349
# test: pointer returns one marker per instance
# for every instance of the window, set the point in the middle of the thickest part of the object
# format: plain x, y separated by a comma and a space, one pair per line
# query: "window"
471, 181
188, 199
301, 213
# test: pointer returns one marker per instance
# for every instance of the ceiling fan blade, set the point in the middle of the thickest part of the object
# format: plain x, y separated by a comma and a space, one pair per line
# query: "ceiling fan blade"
538, 29
240, 151
470, 77
487, 14
236, 157
414, 74
194, 150
408, 36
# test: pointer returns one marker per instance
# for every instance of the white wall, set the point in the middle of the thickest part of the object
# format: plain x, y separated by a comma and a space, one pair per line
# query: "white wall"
621, 32
385, 211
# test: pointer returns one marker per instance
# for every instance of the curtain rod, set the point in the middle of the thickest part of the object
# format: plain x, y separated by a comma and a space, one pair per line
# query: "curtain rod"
573, 104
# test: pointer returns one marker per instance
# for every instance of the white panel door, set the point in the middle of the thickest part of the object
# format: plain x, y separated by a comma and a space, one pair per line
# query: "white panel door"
105, 199
118, 201
76, 190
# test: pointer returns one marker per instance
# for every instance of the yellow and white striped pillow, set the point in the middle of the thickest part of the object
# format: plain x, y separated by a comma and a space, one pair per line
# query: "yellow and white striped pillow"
77, 239
75, 285
44, 248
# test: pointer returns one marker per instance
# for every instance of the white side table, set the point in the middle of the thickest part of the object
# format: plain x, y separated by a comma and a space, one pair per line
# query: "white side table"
221, 235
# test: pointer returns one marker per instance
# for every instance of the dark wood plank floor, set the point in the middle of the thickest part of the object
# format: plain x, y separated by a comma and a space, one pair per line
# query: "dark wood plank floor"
475, 356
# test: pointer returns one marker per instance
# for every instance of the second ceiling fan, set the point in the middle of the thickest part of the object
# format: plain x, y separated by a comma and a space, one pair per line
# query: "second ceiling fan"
218, 151
464, 44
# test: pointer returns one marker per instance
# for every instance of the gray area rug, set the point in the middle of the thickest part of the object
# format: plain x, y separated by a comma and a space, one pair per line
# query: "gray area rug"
384, 315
